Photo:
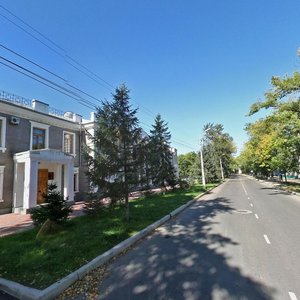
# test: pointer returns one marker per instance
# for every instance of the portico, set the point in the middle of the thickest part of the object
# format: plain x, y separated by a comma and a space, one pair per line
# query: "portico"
34, 169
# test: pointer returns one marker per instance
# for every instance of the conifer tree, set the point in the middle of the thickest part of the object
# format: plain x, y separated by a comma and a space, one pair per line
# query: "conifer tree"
114, 163
161, 157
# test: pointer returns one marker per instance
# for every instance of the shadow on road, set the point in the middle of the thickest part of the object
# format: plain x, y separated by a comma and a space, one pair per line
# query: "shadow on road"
184, 259
276, 192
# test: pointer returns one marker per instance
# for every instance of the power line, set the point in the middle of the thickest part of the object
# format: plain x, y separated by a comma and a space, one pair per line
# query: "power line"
20, 27
89, 71
45, 84
47, 80
149, 112
32, 28
50, 72
65, 55
146, 110
32, 62
78, 99
65, 91
173, 140
67, 58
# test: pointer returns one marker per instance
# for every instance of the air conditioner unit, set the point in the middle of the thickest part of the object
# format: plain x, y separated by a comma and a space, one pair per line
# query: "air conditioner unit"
14, 120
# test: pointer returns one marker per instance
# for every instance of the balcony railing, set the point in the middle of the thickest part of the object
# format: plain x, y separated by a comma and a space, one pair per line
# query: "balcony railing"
21, 101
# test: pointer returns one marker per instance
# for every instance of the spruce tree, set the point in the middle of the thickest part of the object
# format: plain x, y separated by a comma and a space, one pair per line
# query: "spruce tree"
114, 163
161, 157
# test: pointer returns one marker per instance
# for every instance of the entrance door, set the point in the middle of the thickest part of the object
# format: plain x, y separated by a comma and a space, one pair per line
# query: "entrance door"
42, 185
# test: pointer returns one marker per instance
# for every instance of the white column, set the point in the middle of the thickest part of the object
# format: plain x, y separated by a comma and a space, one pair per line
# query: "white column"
57, 177
30, 183
69, 181
18, 189
15, 186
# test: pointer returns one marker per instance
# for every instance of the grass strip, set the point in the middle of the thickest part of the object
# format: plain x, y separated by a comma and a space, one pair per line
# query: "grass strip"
290, 186
38, 264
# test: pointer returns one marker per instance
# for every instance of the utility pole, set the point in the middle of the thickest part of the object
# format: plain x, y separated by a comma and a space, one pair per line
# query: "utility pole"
201, 157
221, 166
202, 165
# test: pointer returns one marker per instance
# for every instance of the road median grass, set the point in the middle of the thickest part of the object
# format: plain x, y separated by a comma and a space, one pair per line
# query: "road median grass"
40, 263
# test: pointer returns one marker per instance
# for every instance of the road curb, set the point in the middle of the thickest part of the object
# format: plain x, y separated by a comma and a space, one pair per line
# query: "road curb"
275, 187
26, 293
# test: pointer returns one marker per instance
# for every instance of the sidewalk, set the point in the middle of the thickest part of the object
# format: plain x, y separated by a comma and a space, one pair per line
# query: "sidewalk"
13, 223
276, 184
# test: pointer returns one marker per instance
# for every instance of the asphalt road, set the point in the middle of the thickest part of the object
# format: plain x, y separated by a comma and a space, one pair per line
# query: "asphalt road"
242, 241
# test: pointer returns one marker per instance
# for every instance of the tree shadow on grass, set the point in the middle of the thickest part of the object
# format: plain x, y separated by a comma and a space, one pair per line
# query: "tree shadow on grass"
183, 260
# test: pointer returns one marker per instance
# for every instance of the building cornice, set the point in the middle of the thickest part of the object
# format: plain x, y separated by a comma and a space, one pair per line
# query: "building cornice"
27, 113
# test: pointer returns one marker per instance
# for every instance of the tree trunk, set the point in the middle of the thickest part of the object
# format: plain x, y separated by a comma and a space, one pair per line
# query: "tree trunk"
127, 209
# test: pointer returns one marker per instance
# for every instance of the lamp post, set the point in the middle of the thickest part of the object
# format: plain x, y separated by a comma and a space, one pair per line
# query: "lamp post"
221, 166
202, 164
201, 157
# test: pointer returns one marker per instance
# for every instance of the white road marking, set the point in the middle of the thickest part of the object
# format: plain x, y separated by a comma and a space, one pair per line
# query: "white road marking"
256, 216
251, 204
248, 198
292, 296
244, 188
267, 239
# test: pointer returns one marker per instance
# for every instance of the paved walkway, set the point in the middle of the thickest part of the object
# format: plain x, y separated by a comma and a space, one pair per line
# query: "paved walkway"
12, 223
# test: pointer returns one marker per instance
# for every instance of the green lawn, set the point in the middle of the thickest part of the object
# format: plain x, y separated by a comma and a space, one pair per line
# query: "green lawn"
39, 264
290, 186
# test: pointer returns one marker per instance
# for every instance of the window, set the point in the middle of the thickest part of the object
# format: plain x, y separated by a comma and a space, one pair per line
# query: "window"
2, 133
39, 136
50, 175
1, 182
69, 142
76, 180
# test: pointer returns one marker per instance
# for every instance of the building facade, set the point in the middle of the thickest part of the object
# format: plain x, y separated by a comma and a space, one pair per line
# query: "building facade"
38, 146
41, 145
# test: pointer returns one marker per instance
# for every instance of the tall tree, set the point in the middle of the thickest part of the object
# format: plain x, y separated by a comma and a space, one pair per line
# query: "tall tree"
161, 156
189, 168
218, 150
282, 151
115, 161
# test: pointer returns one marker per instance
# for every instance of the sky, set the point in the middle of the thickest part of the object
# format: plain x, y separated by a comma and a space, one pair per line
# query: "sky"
192, 61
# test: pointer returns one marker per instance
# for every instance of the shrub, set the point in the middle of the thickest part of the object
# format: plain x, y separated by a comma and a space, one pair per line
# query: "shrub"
183, 184
94, 204
148, 193
55, 208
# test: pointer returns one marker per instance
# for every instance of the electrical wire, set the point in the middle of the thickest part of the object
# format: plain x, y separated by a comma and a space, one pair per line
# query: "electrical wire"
77, 99
65, 56
32, 62
48, 71
45, 79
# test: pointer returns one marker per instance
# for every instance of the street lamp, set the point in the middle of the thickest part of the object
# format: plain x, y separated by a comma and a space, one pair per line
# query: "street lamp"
201, 157
221, 166
202, 163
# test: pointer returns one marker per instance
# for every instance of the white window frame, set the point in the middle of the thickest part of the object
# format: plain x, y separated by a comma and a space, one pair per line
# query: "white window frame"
39, 126
76, 172
74, 143
3, 134
1, 182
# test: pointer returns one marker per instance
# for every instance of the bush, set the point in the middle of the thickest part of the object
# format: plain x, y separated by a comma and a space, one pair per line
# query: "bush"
148, 193
55, 208
94, 204
183, 184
